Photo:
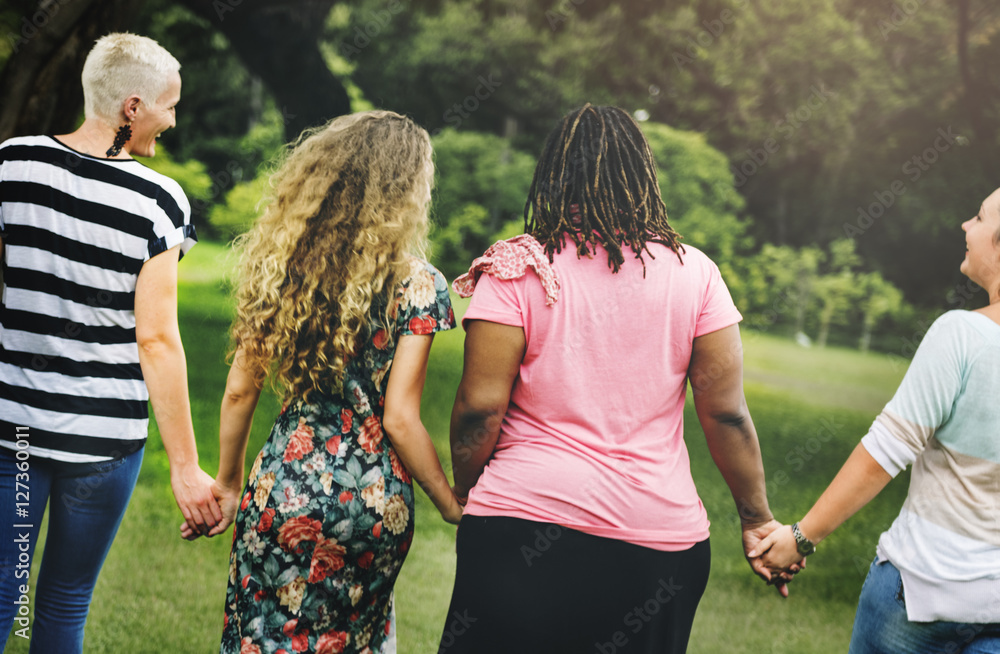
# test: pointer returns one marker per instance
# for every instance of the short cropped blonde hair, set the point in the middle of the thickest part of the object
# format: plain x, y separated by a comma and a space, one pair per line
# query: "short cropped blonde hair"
122, 65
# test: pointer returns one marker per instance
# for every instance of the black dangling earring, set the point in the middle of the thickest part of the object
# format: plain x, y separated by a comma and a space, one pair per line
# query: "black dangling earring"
121, 138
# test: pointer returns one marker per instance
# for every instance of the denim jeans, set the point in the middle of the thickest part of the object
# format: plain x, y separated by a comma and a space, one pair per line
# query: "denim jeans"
86, 505
881, 625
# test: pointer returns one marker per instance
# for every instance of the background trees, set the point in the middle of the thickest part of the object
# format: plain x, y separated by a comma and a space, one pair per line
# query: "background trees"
793, 124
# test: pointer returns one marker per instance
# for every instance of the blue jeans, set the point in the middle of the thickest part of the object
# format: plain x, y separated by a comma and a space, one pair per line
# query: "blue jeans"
86, 505
881, 625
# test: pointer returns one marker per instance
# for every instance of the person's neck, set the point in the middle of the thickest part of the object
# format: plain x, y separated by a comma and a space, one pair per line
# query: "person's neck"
93, 137
992, 310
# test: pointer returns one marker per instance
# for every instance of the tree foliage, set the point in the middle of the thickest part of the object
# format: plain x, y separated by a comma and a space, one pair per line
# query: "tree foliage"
481, 184
795, 124
829, 111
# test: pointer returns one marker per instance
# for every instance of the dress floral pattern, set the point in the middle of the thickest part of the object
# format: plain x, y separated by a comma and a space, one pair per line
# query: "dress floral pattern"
326, 518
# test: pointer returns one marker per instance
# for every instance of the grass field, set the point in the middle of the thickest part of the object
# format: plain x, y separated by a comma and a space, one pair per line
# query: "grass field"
158, 593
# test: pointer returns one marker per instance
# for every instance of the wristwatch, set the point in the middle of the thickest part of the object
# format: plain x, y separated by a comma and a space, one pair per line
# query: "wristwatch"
803, 544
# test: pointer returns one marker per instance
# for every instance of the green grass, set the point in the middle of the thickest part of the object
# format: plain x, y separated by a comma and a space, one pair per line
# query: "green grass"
158, 593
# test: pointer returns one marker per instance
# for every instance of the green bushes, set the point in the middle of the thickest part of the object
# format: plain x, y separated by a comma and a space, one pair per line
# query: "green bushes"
482, 181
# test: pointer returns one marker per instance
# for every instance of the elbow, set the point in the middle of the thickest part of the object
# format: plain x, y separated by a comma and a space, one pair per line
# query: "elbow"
728, 409
467, 420
240, 397
397, 424
734, 415
156, 344
391, 424
479, 409
735, 419
471, 430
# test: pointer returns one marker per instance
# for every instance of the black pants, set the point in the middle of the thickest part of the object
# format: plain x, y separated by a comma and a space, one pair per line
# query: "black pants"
524, 587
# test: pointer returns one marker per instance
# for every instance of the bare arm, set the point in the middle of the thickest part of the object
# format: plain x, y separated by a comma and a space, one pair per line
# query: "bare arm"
493, 355
716, 374
402, 424
235, 420
161, 356
860, 479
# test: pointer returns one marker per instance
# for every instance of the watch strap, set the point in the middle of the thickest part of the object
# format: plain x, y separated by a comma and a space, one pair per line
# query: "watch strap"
804, 545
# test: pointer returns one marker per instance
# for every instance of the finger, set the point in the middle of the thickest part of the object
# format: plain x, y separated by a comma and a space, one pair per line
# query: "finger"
761, 547
216, 510
783, 589
197, 521
187, 533
208, 509
186, 512
761, 570
219, 528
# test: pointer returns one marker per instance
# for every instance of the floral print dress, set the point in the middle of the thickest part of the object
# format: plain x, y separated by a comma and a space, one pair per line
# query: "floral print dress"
326, 519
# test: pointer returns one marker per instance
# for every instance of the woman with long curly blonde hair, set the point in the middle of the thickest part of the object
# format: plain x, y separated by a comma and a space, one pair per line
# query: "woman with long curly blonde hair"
335, 308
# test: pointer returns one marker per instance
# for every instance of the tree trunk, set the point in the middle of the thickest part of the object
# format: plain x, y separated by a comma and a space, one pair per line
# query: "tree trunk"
976, 96
40, 84
803, 293
278, 42
825, 318
866, 334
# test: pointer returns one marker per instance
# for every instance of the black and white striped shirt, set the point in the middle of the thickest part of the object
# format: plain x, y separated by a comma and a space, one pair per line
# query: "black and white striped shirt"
77, 230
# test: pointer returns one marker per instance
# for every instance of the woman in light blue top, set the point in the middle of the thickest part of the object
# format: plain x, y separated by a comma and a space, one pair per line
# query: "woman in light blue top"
935, 583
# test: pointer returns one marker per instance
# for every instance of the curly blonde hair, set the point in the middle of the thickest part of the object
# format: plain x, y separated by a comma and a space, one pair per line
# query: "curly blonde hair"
348, 210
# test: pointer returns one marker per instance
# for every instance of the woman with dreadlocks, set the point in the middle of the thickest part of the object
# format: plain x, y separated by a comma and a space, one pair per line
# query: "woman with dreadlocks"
583, 530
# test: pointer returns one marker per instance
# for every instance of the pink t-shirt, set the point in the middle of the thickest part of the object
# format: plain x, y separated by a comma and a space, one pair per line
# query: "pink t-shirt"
593, 435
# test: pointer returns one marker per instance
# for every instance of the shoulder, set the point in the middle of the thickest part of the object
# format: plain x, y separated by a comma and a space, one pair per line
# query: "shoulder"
692, 256
167, 185
20, 147
959, 325
423, 300
420, 272
952, 322
958, 336
28, 140
693, 264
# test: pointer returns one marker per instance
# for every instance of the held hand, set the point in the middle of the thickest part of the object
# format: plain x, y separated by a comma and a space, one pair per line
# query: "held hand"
228, 500
753, 537
452, 511
778, 551
192, 489
461, 495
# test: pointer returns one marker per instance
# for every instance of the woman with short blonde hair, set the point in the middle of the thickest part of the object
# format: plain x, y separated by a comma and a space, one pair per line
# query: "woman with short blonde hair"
90, 240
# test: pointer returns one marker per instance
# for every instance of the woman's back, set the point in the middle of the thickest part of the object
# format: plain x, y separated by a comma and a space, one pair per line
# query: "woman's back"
593, 434
945, 420
78, 230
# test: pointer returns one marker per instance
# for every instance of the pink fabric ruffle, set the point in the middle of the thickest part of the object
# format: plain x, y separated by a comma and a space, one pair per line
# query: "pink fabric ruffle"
509, 260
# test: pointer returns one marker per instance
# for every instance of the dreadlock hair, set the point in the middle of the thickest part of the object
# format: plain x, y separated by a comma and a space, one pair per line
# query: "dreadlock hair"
596, 182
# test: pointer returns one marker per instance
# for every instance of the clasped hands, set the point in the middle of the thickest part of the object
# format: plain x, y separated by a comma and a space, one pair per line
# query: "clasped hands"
773, 554
210, 509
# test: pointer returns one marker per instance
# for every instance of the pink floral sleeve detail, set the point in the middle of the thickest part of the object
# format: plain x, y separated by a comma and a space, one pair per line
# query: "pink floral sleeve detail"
509, 260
